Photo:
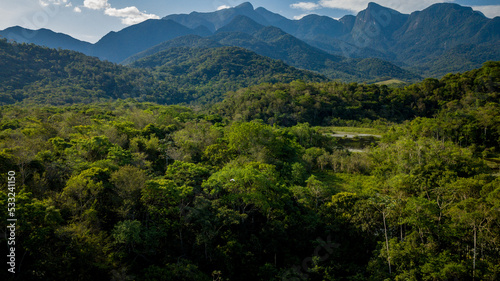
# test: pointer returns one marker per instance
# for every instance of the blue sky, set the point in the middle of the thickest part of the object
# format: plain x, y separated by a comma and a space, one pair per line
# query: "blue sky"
89, 20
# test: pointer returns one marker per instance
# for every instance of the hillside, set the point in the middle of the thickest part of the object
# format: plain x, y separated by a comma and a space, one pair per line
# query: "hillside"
189, 41
210, 72
274, 43
327, 103
38, 75
33, 74
117, 46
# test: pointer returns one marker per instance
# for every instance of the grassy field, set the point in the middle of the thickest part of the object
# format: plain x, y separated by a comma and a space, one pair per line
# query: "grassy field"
343, 182
352, 130
392, 82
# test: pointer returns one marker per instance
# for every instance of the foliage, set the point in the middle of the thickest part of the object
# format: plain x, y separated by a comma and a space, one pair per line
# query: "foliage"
36, 75
128, 190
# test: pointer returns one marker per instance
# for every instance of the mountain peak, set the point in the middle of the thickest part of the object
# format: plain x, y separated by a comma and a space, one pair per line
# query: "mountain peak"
448, 7
377, 17
374, 5
245, 6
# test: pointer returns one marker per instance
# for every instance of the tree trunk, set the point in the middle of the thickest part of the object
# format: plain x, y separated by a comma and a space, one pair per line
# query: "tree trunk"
474, 262
387, 243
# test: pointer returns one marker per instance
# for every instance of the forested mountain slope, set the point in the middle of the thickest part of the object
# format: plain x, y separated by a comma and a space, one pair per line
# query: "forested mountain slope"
214, 71
274, 43
33, 74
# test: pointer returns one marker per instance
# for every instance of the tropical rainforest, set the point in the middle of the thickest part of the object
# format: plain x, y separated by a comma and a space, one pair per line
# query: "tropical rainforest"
121, 177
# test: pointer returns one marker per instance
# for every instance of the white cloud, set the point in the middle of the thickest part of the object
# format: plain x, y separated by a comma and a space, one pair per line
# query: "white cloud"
300, 16
96, 4
45, 3
307, 6
490, 11
223, 7
77, 10
130, 15
358, 5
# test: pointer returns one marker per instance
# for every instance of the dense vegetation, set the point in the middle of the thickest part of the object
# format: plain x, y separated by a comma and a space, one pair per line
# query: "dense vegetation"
35, 75
210, 72
250, 190
471, 97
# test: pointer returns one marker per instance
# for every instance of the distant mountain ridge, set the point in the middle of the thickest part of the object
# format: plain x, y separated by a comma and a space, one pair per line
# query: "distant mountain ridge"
415, 41
116, 46
46, 37
272, 42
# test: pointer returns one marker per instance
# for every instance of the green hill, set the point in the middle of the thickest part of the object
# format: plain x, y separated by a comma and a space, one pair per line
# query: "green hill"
39, 75
213, 71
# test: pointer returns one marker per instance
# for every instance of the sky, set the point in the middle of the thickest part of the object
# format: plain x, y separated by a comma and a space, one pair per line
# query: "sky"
89, 20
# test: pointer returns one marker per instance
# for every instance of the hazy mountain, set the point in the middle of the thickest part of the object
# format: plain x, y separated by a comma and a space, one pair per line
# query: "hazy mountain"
45, 37
273, 42
421, 40
117, 46
312, 26
215, 20
440, 26
407, 40
276, 19
305, 28
241, 24
373, 28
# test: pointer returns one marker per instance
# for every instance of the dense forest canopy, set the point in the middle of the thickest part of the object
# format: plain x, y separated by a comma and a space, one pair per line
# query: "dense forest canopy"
110, 186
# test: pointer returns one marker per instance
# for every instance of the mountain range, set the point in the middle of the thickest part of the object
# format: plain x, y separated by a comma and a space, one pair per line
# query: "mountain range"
376, 44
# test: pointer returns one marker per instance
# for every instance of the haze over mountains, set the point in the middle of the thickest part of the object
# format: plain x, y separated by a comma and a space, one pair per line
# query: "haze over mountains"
440, 39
